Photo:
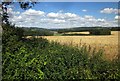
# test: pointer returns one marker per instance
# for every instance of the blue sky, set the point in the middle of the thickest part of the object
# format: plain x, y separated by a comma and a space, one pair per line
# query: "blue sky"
66, 14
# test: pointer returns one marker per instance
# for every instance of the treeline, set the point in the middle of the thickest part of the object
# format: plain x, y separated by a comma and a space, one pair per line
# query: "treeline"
115, 28
37, 32
100, 31
82, 29
34, 31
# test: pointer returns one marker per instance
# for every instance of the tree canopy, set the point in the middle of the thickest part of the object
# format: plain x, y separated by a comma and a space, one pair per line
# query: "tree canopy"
23, 5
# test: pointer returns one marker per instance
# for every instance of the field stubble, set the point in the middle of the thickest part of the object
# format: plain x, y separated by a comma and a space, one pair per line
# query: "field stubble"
109, 43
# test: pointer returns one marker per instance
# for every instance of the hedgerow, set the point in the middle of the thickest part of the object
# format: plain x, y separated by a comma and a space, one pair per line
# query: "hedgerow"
100, 31
57, 61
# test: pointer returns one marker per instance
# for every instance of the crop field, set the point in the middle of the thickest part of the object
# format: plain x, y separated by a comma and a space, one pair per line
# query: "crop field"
109, 43
78, 33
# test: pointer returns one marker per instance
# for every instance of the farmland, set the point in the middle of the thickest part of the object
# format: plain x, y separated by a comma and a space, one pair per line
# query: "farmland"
107, 42
62, 44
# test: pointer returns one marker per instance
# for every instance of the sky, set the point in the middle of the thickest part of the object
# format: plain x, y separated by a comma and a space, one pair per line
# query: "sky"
65, 14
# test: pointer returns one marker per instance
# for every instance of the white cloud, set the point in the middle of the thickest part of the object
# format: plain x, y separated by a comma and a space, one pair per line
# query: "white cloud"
31, 12
58, 21
61, 15
101, 20
88, 17
117, 17
36, 18
11, 12
54, 15
110, 10
70, 15
84, 10
117, 20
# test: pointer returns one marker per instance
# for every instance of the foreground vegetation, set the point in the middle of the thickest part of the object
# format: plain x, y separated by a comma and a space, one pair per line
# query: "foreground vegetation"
39, 59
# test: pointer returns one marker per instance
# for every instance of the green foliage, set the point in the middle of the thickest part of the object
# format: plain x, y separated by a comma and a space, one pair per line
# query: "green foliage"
82, 29
56, 62
19, 55
10, 30
34, 59
115, 28
37, 32
100, 31
10, 37
92, 30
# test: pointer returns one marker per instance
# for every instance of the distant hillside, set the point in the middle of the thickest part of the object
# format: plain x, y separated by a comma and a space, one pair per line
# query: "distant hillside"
81, 29
34, 31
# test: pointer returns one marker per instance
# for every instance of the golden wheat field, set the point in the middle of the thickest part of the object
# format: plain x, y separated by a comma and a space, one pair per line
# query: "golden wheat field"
107, 42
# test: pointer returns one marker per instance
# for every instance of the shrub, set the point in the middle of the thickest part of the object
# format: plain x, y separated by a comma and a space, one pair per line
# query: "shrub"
56, 61
100, 31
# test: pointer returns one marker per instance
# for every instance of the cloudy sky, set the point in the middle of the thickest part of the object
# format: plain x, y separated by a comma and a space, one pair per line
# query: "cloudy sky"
65, 14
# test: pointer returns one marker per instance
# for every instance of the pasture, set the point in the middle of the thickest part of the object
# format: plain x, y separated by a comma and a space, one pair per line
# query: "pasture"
109, 43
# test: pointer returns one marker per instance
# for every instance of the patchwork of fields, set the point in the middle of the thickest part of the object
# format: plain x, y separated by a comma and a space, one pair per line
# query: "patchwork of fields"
107, 42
